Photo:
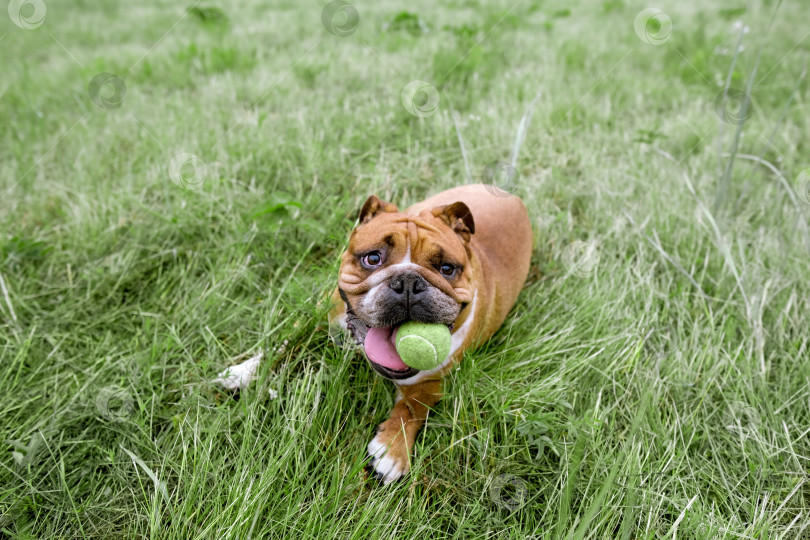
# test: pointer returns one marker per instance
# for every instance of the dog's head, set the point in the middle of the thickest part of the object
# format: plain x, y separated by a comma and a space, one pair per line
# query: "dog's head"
401, 268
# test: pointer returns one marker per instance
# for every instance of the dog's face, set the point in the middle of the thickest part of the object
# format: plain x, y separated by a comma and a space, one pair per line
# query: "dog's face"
402, 268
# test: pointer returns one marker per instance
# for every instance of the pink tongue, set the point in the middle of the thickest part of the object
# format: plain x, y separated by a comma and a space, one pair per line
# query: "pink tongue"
380, 348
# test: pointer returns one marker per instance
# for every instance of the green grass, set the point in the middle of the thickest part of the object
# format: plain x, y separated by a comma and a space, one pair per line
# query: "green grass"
662, 392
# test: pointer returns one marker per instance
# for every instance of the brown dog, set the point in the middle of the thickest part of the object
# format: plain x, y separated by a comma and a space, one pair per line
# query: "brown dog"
459, 258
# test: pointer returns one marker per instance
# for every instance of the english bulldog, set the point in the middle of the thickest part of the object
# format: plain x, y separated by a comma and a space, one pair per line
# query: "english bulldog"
458, 258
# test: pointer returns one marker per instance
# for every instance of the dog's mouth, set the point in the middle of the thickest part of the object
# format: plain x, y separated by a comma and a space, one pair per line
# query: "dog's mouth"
379, 344
381, 352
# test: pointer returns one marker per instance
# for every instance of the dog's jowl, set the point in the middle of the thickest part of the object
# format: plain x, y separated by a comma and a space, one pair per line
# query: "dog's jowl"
459, 258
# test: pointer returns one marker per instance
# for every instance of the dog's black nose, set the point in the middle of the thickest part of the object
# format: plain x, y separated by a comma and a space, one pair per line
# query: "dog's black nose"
407, 283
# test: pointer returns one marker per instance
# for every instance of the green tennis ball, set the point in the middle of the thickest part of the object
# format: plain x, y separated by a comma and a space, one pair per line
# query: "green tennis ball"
421, 345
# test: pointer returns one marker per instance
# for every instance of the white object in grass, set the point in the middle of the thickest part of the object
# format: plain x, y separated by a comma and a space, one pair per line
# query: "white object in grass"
240, 375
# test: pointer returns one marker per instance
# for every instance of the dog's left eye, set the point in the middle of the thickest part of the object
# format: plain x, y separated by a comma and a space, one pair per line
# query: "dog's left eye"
447, 269
372, 260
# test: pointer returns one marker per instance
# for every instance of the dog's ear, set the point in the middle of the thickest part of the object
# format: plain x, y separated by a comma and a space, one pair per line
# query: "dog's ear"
458, 216
374, 206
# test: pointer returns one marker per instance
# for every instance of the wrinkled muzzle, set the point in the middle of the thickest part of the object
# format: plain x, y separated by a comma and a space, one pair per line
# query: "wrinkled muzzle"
406, 297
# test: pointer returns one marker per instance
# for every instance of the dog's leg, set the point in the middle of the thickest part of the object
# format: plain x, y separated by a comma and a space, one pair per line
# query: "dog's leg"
390, 449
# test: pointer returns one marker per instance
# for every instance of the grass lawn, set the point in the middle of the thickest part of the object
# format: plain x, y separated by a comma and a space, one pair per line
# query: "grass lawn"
177, 181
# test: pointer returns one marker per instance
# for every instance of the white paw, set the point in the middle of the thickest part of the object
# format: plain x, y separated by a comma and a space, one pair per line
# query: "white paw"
385, 467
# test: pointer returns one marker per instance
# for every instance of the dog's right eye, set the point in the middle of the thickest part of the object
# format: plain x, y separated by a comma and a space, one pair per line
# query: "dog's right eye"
372, 260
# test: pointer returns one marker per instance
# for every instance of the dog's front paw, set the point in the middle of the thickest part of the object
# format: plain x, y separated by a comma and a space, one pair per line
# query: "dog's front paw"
389, 458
